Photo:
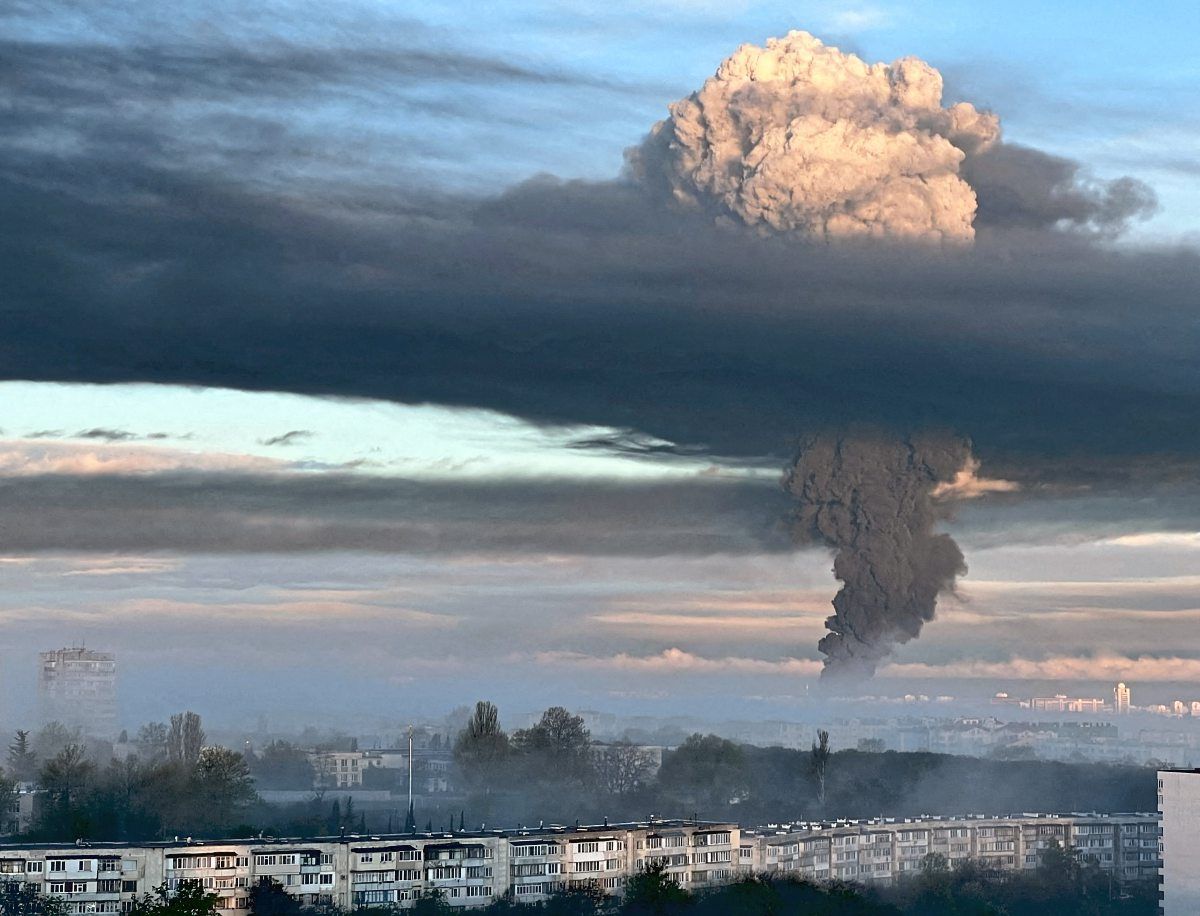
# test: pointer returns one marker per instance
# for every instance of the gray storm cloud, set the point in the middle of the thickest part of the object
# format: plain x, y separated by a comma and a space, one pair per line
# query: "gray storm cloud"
873, 499
800, 138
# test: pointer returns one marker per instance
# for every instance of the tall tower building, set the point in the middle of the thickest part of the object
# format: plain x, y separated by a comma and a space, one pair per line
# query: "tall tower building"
78, 687
1121, 698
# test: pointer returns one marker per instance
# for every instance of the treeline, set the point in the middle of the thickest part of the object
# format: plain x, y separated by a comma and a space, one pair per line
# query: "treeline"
554, 772
182, 787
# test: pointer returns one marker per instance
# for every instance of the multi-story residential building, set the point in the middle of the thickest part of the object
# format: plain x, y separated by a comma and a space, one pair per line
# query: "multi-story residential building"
1063, 703
1121, 697
469, 869
882, 850
340, 769
1179, 805
349, 769
78, 687
473, 869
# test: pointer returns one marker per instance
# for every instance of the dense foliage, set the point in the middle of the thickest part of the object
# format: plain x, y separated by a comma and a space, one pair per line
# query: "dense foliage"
176, 785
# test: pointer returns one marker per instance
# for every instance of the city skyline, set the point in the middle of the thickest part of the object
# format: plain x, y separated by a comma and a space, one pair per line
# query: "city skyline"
356, 393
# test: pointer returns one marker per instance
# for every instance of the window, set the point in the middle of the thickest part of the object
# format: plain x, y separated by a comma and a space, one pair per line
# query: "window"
34, 868
326, 879
57, 865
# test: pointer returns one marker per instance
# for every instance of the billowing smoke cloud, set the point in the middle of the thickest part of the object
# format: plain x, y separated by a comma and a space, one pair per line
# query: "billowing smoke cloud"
871, 498
800, 138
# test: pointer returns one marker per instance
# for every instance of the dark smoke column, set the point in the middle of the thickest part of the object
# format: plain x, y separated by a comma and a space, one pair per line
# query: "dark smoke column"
871, 498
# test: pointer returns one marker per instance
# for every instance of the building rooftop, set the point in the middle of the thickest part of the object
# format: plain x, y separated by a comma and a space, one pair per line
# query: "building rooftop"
356, 838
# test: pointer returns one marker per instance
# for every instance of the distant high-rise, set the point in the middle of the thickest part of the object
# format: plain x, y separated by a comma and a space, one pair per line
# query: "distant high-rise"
78, 687
1121, 698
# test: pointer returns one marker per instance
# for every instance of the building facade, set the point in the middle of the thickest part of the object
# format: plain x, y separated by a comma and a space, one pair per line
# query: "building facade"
473, 869
881, 850
78, 687
1179, 805
468, 869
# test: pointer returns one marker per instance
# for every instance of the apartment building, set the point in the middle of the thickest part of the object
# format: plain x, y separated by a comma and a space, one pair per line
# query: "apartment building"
78, 687
469, 869
882, 850
340, 769
1179, 805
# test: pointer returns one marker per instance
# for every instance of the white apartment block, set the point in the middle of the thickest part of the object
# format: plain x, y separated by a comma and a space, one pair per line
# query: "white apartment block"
880, 851
1179, 805
470, 869
339, 769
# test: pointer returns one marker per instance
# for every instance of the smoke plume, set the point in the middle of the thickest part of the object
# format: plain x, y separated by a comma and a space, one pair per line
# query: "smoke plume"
799, 138
872, 499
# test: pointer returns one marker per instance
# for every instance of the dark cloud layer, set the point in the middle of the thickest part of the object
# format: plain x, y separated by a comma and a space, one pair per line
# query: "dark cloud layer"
133, 252
264, 514
574, 303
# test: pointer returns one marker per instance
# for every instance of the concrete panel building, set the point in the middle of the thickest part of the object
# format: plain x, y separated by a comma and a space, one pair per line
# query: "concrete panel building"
78, 687
467, 869
1179, 805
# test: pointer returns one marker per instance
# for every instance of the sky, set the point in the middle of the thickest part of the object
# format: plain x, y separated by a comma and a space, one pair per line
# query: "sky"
345, 361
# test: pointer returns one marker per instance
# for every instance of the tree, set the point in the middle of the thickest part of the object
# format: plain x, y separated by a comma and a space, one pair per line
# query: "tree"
268, 898
22, 761
223, 783
185, 739
334, 824
8, 793
189, 899
653, 891
53, 738
482, 746
410, 820
559, 745
20, 899
152, 740
706, 770
819, 761
622, 767
431, 903
282, 765
65, 776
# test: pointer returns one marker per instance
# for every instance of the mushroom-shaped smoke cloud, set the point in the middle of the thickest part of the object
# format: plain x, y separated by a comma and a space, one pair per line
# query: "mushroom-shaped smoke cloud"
800, 138
874, 500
